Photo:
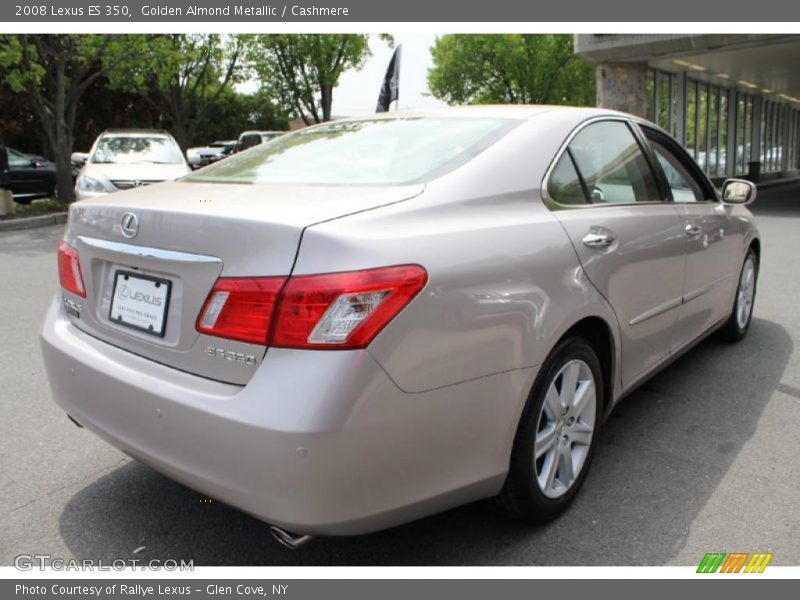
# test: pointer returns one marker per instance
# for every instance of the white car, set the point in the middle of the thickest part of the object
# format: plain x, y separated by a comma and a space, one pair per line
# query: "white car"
202, 156
121, 159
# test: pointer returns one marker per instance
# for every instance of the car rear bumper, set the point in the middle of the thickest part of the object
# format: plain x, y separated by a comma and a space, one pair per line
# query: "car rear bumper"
318, 442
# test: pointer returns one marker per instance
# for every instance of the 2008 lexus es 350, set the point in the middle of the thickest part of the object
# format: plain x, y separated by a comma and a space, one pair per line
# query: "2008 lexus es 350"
372, 320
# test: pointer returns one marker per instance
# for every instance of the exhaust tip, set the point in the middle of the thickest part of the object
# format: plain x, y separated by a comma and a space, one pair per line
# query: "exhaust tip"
288, 539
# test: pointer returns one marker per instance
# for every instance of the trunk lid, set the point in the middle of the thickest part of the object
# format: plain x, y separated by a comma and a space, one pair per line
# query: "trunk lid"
188, 235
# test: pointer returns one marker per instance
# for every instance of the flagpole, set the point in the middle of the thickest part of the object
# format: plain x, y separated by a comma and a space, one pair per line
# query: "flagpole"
399, 55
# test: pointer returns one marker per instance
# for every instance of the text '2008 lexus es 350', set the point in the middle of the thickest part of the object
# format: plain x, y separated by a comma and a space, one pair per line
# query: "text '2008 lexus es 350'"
372, 320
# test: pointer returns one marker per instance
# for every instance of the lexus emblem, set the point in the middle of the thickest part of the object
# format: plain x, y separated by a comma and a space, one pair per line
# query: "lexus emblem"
129, 225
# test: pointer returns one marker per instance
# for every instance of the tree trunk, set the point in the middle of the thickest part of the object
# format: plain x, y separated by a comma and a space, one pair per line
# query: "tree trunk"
327, 101
63, 136
64, 168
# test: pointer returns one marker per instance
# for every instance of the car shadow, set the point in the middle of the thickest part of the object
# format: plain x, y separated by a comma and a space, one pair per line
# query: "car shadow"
661, 455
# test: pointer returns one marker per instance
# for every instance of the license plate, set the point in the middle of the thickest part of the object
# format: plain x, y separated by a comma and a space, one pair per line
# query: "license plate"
140, 302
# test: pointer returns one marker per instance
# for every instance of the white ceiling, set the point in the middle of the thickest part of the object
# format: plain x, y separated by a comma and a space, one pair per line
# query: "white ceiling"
774, 66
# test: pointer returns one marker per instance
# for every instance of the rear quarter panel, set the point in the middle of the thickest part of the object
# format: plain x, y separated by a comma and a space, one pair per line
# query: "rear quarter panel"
504, 281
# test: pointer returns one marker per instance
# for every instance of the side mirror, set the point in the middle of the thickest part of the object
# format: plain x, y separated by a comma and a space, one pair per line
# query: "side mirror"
79, 158
738, 191
193, 159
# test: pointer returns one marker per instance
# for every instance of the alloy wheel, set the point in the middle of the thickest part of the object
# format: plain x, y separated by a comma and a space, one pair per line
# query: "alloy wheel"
746, 293
565, 428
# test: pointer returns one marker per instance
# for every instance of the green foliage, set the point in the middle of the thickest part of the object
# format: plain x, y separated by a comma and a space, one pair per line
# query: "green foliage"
301, 70
54, 71
184, 75
509, 68
234, 112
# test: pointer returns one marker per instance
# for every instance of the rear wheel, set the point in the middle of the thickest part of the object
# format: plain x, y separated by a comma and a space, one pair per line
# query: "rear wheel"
556, 435
739, 322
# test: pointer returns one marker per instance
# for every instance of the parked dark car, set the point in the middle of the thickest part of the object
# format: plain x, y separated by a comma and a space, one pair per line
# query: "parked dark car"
31, 176
248, 139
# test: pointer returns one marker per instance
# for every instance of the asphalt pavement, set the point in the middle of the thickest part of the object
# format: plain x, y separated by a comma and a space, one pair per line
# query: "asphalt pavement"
704, 457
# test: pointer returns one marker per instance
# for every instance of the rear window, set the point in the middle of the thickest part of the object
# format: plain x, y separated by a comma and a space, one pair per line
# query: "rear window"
369, 152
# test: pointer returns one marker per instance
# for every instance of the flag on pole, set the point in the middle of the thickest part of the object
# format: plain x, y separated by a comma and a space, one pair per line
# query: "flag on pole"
391, 83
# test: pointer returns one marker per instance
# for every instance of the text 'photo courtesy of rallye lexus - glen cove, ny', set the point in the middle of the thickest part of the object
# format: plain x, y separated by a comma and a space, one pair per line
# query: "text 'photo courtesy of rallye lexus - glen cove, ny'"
368, 321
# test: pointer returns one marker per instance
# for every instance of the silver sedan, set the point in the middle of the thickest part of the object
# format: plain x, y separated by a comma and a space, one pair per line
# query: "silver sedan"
372, 320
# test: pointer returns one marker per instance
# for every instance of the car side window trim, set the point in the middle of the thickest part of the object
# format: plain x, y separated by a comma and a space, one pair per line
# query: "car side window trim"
684, 159
586, 195
564, 149
650, 154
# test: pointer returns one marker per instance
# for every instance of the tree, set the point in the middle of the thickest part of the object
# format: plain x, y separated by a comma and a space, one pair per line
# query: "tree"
303, 69
509, 68
235, 112
184, 76
54, 71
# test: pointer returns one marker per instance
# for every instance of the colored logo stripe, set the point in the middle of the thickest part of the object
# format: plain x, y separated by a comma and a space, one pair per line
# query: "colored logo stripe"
758, 562
734, 562
711, 562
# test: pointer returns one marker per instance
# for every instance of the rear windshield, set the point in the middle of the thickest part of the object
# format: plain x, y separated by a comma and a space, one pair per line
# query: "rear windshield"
369, 152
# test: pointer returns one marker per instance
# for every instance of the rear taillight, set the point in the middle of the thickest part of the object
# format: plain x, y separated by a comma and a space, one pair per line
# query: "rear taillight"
69, 270
241, 309
331, 311
343, 310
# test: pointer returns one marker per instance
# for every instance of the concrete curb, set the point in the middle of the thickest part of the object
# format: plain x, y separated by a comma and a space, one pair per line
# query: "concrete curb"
33, 222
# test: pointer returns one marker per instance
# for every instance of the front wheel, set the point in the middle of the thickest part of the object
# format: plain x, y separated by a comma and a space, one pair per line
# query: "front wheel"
738, 323
556, 435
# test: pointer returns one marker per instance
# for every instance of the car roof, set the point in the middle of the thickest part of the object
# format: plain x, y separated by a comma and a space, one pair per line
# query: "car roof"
496, 111
136, 132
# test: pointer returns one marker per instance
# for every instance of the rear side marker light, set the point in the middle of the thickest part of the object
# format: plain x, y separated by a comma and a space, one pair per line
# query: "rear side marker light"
330, 311
69, 270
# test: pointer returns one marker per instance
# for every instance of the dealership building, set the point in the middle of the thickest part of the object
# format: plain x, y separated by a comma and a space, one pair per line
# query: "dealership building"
732, 100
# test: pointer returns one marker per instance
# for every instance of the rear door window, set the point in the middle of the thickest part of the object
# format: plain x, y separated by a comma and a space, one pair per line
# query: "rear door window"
612, 164
681, 173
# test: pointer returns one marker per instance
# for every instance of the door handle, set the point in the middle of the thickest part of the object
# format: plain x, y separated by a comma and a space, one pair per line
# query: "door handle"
598, 240
693, 230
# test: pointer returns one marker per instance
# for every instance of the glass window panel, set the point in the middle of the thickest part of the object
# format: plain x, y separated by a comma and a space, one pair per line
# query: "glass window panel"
691, 116
748, 133
723, 132
762, 154
674, 88
565, 185
713, 127
684, 187
663, 100
612, 165
702, 127
741, 116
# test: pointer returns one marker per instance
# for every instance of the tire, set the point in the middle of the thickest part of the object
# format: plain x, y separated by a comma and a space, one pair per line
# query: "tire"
533, 492
738, 323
